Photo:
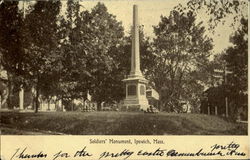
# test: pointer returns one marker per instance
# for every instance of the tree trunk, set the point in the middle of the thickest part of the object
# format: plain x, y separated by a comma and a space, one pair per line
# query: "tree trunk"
72, 105
49, 104
33, 93
0, 101
10, 89
84, 105
99, 106
37, 99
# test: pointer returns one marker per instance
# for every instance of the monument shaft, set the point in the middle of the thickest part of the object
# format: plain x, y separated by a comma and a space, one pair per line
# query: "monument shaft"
135, 57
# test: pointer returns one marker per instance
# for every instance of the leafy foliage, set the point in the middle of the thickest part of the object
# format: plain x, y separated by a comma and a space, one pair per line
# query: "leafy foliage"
41, 46
237, 62
90, 46
218, 10
109, 37
11, 37
237, 58
11, 42
233, 61
182, 49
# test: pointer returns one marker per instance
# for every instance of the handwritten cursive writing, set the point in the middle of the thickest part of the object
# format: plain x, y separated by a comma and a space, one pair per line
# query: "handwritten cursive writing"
21, 154
81, 153
217, 150
125, 153
158, 152
174, 153
230, 146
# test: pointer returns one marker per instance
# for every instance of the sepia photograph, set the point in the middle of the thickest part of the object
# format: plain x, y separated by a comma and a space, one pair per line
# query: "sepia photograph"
120, 67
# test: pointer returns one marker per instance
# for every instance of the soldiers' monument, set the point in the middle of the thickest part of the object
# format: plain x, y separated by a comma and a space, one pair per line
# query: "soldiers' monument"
135, 83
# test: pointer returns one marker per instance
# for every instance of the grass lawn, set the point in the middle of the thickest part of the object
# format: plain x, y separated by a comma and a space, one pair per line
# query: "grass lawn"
117, 123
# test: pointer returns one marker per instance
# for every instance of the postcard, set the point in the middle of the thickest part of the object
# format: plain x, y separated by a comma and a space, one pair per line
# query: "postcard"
124, 80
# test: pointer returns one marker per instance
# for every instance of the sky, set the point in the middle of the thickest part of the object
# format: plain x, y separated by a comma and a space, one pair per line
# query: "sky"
149, 15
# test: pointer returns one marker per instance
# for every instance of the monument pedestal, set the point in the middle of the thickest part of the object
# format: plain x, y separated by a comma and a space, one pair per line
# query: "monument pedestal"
136, 94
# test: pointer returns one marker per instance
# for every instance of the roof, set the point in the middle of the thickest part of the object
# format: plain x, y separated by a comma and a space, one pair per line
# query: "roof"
152, 93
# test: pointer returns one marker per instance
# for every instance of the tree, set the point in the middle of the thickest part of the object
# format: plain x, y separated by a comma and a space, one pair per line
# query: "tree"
90, 43
74, 73
106, 36
11, 45
236, 58
41, 45
11, 37
218, 10
182, 49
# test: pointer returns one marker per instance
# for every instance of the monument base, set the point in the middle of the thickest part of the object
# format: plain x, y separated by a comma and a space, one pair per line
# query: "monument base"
135, 94
130, 105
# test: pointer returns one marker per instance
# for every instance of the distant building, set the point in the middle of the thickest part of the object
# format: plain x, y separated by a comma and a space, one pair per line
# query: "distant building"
153, 97
3, 88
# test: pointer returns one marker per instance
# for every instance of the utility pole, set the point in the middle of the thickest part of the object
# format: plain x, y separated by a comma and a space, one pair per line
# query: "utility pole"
21, 91
0, 101
226, 100
225, 82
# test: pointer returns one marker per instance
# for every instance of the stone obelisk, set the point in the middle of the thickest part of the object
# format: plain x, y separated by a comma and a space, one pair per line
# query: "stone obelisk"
135, 56
135, 83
